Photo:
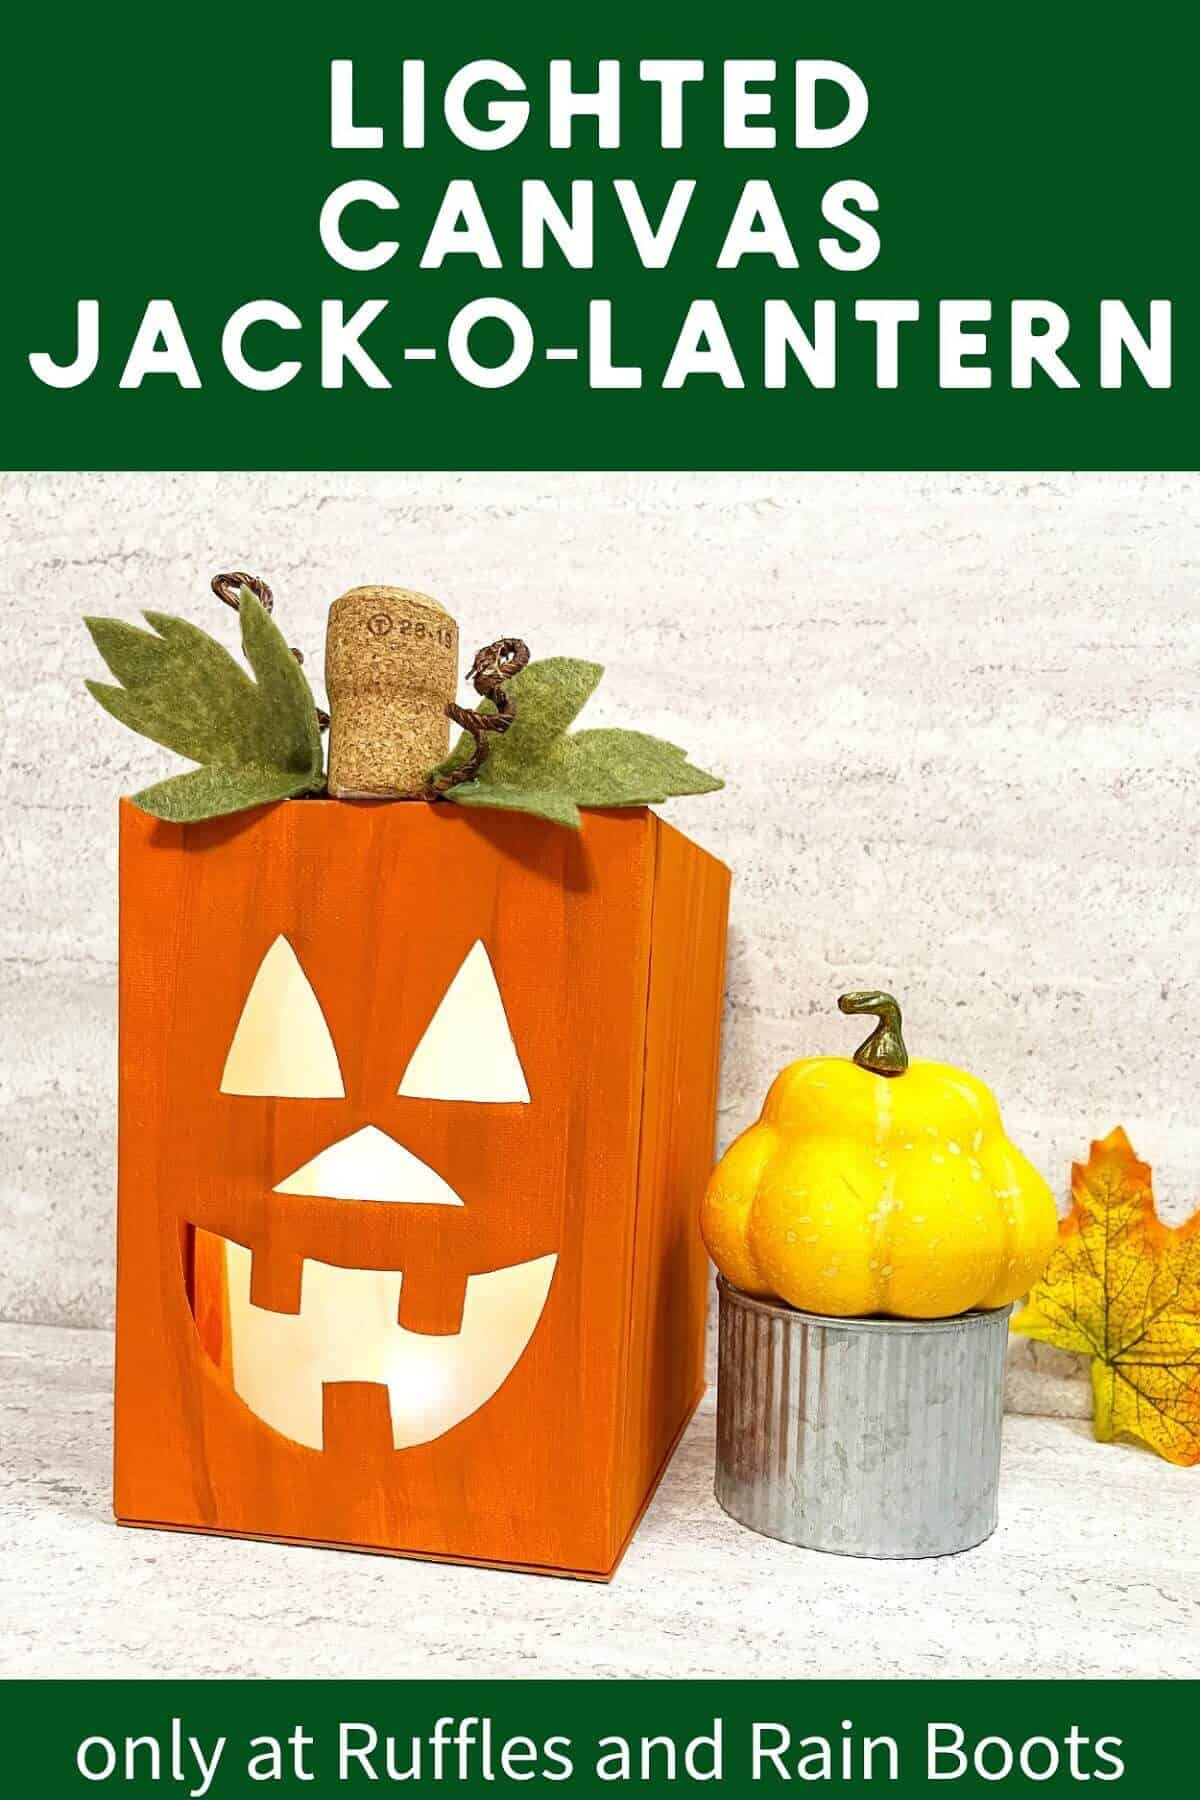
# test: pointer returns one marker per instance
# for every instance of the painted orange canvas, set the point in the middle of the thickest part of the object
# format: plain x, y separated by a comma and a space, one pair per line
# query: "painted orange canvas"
416, 1112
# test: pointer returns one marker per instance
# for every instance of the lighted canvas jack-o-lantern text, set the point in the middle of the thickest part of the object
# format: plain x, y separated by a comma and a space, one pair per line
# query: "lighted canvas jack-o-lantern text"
416, 1111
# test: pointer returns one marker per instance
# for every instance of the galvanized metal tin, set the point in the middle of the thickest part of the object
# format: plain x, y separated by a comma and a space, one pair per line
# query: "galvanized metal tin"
865, 1437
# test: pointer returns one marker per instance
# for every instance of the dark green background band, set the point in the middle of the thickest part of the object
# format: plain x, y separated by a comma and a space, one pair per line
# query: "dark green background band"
1034, 151
43, 1723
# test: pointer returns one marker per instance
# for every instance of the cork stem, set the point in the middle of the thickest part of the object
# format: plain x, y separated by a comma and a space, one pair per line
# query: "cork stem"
883, 1052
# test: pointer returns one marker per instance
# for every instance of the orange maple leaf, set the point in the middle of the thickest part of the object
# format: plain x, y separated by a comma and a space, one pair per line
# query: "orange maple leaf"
1124, 1289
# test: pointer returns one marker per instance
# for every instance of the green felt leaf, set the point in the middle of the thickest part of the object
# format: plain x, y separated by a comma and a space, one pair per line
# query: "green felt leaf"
538, 767
550, 803
629, 768
172, 677
551, 693
212, 792
255, 738
287, 710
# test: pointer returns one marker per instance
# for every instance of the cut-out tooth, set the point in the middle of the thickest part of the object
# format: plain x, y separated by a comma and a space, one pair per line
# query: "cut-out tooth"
432, 1300
275, 1280
357, 1420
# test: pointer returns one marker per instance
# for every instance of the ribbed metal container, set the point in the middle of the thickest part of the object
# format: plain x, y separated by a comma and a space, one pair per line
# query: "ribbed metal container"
866, 1437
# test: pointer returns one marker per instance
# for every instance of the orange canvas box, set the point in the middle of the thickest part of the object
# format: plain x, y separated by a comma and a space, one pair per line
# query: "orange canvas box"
416, 1112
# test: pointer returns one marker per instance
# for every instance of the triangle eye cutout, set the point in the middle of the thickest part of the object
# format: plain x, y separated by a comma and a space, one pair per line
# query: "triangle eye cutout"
467, 1052
282, 1048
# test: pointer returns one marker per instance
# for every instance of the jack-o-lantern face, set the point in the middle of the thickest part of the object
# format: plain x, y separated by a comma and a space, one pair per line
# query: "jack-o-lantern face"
416, 1113
347, 1328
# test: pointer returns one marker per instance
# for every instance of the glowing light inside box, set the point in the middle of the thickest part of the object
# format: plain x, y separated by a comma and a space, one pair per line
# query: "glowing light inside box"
347, 1329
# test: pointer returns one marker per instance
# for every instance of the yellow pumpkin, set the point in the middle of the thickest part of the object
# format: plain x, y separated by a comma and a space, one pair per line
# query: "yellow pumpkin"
878, 1186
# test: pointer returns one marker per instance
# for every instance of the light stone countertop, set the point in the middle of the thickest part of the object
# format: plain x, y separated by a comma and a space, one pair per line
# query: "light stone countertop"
1094, 1571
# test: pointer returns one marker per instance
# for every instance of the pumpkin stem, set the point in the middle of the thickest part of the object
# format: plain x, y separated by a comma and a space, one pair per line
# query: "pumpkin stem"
883, 1052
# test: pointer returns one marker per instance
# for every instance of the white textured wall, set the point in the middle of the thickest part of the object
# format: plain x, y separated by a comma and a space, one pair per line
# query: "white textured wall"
957, 715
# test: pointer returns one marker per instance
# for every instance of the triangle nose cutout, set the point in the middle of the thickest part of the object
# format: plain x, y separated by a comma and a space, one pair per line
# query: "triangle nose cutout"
370, 1165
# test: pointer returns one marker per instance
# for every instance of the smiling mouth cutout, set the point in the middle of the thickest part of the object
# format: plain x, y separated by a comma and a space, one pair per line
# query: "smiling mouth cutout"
347, 1327
347, 1330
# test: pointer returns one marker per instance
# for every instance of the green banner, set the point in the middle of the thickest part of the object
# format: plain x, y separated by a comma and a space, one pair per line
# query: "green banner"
774, 236
235, 1738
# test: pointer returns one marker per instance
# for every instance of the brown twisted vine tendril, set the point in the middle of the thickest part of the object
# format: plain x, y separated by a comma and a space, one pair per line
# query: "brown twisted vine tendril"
494, 666
229, 587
